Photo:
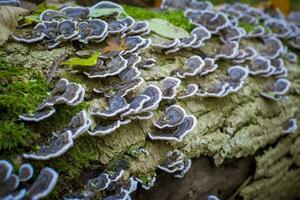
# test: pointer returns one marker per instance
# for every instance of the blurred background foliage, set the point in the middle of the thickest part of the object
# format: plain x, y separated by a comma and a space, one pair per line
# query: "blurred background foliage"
284, 5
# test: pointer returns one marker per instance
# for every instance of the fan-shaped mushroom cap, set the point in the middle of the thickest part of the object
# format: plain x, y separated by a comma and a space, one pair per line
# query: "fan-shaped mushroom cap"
6, 169
276, 90
51, 15
212, 197
79, 124
129, 74
279, 28
202, 34
60, 86
100, 183
259, 65
112, 68
136, 105
66, 30
133, 43
194, 64
148, 63
128, 22
289, 126
184, 4
209, 66
139, 27
155, 95
94, 29
272, 48
231, 33
188, 42
219, 89
169, 87
44, 184
76, 13
292, 57
213, 21
116, 27
174, 161
39, 115
117, 104
124, 87
9, 185
180, 131
227, 51
102, 130
248, 19
238, 73
173, 116
190, 91
25, 172
186, 167
58, 146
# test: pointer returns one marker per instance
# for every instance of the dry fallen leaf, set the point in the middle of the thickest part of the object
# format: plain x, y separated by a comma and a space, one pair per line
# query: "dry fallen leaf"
8, 20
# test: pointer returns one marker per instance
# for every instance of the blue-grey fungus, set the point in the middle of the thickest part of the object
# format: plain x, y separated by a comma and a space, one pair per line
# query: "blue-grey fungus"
173, 116
169, 87
61, 144
6, 170
179, 132
155, 95
189, 91
194, 64
289, 126
25, 172
117, 105
44, 184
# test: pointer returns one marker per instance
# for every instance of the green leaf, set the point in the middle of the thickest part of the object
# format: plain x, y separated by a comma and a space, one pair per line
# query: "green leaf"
32, 18
83, 61
106, 11
165, 29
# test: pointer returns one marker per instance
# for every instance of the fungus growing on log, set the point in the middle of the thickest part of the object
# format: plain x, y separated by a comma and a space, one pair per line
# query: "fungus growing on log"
133, 70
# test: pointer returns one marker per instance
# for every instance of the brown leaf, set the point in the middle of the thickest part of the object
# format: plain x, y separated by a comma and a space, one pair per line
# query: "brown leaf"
9, 20
115, 44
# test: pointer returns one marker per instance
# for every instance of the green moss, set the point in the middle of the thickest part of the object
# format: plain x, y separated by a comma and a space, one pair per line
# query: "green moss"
248, 27
20, 90
176, 18
13, 135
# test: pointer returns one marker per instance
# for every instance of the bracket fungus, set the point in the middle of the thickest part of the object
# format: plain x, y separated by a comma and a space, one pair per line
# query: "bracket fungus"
213, 21
20, 187
76, 13
169, 87
6, 169
155, 95
289, 126
194, 64
148, 184
57, 147
25, 172
273, 47
189, 91
209, 67
176, 133
176, 164
117, 104
202, 35
277, 90
228, 50
44, 184
173, 116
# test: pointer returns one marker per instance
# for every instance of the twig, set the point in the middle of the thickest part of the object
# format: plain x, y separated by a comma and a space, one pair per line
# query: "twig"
54, 67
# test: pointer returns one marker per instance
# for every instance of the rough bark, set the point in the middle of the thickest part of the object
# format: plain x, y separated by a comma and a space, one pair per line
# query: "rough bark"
242, 125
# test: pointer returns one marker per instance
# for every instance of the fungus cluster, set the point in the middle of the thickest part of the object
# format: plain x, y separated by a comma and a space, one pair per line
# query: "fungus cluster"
64, 92
108, 182
207, 72
18, 186
176, 164
77, 24
62, 141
